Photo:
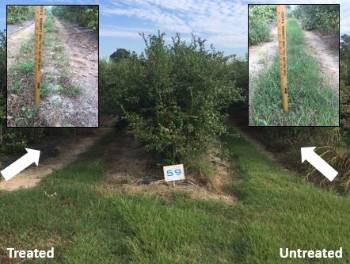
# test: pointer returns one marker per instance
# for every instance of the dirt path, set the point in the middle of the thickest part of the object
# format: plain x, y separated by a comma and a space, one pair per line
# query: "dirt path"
13, 28
14, 41
81, 47
129, 168
17, 100
327, 59
67, 154
260, 57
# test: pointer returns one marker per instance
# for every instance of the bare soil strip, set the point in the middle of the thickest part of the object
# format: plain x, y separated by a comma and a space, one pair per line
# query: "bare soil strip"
67, 154
14, 28
14, 41
260, 57
326, 58
131, 169
81, 48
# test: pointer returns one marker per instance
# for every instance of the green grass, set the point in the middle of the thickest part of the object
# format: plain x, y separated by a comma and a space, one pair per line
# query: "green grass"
44, 90
15, 86
89, 224
20, 78
58, 59
71, 91
49, 26
311, 102
281, 209
27, 47
25, 67
27, 115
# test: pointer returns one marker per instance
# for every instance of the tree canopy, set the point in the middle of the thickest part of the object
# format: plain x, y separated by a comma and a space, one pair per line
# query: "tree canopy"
119, 54
324, 18
86, 16
173, 96
16, 14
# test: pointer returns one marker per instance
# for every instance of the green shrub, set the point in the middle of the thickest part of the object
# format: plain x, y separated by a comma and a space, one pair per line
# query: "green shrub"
86, 16
260, 17
172, 95
263, 12
324, 18
17, 14
259, 31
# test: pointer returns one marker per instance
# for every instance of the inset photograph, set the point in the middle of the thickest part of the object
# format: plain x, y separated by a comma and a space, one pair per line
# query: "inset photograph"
294, 65
52, 66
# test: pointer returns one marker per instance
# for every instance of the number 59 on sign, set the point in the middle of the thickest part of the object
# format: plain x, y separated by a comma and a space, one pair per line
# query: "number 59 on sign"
174, 172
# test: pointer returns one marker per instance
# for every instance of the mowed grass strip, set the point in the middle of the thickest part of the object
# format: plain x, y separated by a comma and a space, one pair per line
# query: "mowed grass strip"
311, 102
282, 210
88, 223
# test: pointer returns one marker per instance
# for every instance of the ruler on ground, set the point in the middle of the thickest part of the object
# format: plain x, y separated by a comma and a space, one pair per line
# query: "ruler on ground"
39, 14
282, 47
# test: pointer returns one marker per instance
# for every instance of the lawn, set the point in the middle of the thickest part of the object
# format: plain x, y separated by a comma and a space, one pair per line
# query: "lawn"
88, 223
311, 102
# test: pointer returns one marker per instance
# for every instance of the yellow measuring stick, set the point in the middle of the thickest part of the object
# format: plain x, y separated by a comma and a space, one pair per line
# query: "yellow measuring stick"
39, 13
282, 47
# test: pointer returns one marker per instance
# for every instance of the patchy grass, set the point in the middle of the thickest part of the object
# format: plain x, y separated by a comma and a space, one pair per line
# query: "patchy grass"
15, 86
85, 222
27, 116
20, 81
44, 89
56, 57
49, 26
20, 78
71, 91
311, 102
25, 67
26, 47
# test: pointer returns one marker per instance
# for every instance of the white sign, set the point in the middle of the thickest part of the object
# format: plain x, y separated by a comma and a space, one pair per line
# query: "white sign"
174, 172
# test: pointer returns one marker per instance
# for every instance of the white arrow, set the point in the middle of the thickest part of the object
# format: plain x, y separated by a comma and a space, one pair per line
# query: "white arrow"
316, 161
32, 156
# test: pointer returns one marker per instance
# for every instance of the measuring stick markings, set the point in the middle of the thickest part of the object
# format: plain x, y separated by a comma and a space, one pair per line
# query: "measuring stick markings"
38, 45
282, 46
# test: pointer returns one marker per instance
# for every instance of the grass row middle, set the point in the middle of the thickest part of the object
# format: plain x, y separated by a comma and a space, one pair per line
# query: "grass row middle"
311, 102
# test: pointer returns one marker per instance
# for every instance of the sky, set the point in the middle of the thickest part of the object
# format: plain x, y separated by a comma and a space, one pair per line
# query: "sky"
222, 23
